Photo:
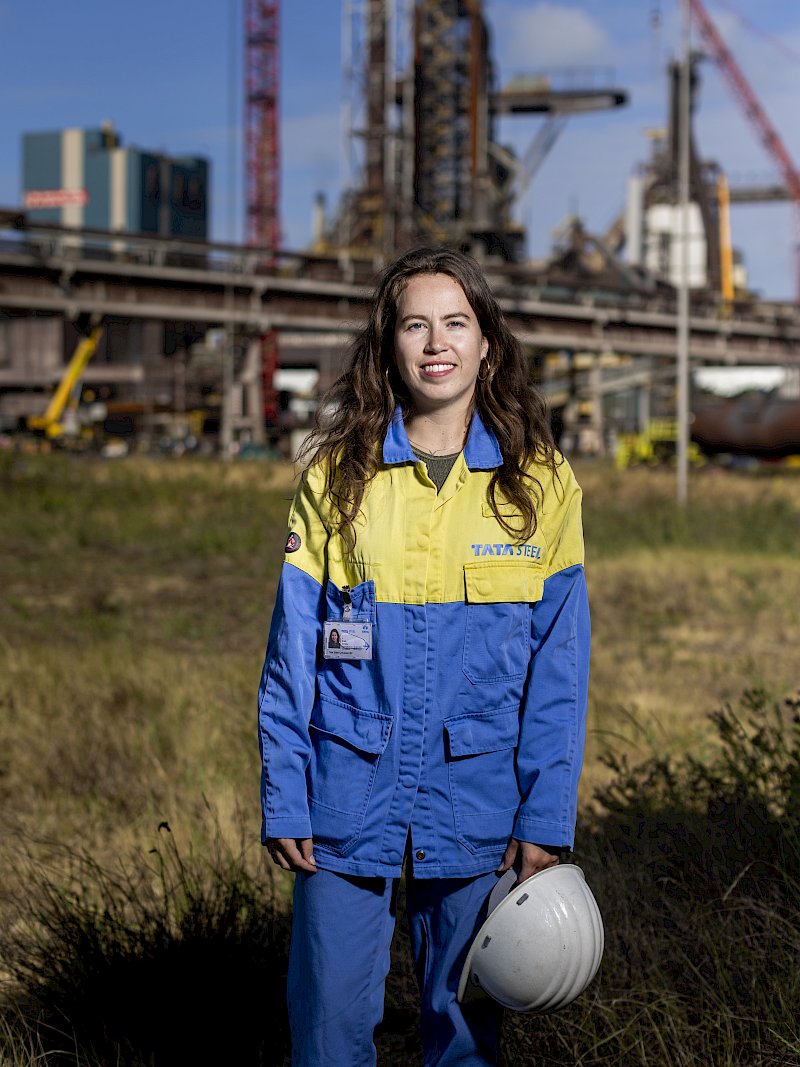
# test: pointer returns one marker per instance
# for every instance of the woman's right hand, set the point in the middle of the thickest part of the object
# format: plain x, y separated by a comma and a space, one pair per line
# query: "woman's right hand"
293, 854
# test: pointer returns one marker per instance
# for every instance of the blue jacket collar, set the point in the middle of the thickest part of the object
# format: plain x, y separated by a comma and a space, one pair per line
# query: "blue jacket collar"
481, 451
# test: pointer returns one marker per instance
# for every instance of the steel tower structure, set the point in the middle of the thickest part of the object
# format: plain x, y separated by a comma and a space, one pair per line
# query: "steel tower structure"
378, 153
262, 152
421, 104
451, 79
262, 160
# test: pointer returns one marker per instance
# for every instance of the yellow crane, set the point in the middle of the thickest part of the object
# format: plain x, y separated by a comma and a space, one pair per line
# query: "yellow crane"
50, 422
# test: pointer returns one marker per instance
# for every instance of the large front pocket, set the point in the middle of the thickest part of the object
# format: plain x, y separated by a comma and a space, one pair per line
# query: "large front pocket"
346, 744
483, 781
497, 640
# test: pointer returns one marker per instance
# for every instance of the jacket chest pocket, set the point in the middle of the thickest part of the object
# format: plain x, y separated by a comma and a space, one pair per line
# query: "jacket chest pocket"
360, 599
354, 682
497, 638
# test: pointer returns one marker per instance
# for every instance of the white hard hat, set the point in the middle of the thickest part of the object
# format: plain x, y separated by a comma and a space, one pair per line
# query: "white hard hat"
541, 944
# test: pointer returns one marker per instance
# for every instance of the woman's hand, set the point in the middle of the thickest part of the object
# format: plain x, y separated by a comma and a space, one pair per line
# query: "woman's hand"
293, 854
527, 859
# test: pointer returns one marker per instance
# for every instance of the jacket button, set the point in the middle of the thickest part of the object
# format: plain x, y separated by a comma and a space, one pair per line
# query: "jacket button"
420, 854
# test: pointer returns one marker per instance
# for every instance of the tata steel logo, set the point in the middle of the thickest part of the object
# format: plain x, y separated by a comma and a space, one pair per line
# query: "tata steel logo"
531, 551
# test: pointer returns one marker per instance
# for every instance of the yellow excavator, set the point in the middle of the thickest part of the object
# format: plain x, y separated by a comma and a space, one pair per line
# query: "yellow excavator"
50, 423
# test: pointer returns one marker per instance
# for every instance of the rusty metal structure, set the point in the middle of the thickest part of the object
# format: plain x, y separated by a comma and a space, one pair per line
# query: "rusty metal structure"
422, 107
452, 80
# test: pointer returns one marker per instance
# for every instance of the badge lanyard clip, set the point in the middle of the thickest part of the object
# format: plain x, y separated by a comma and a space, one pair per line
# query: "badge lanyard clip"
347, 610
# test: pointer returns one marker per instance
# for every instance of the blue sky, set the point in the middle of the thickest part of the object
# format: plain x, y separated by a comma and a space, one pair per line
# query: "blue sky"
169, 76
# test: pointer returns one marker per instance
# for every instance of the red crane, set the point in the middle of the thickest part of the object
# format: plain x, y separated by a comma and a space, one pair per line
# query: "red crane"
262, 158
262, 162
769, 136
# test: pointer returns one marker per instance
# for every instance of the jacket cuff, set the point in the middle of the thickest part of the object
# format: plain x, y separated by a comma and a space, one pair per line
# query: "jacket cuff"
294, 826
537, 830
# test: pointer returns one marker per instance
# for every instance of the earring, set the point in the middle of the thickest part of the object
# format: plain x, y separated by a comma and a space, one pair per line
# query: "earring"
483, 377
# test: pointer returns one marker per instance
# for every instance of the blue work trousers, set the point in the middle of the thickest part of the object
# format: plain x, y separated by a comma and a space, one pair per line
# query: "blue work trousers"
342, 930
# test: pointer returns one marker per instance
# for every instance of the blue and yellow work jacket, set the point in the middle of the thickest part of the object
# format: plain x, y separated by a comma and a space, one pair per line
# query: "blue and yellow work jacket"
467, 725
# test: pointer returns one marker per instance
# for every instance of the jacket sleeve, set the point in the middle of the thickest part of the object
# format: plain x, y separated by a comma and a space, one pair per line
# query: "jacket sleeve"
553, 720
288, 680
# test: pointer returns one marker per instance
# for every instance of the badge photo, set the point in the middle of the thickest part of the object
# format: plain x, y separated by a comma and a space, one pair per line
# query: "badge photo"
347, 640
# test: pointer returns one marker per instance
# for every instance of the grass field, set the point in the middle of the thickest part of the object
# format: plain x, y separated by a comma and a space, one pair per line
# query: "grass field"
135, 603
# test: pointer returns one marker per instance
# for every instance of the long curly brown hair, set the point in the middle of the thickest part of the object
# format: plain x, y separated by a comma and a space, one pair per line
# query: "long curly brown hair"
355, 413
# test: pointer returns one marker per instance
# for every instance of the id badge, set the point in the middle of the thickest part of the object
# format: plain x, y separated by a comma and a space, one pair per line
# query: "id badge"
347, 640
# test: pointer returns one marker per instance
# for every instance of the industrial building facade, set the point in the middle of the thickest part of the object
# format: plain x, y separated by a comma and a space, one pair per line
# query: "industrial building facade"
87, 178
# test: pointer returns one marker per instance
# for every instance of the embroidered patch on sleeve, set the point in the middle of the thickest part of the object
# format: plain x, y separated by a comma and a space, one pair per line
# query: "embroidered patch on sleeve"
293, 542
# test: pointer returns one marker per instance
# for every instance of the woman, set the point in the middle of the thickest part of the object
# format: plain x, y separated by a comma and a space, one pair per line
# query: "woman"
439, 533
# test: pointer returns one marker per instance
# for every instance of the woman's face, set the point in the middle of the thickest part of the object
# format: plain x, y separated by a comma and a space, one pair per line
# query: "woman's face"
438, 344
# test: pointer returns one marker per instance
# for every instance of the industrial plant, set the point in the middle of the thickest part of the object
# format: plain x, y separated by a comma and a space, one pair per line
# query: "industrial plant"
123, 327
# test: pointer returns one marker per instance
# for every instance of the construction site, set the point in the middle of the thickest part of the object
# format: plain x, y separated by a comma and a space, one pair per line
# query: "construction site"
122, 327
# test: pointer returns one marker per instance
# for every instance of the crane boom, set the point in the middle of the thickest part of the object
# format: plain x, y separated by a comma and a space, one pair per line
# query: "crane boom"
50, 422
770, 137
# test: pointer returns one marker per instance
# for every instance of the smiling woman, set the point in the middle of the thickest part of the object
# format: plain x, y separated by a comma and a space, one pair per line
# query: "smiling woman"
437, 534
365, 400
438, 348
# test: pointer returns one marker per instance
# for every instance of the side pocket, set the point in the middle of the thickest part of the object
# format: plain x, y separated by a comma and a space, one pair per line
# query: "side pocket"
480, 752
346, 745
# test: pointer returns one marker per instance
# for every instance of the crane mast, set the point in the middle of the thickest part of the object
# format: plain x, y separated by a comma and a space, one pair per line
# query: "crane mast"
262, 159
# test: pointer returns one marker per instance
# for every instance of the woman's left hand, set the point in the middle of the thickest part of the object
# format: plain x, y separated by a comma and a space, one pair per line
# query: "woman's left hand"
527, 859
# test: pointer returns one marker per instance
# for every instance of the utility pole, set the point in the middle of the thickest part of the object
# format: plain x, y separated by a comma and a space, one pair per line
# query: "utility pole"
682, 367
226, 433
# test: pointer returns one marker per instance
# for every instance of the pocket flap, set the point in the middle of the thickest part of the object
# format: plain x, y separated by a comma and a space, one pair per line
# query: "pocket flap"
502, 583
367, 731
470, 735
362, 601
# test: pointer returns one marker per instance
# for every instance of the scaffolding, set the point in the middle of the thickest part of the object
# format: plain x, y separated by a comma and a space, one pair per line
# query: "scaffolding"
422, 161
377, 125
441, 111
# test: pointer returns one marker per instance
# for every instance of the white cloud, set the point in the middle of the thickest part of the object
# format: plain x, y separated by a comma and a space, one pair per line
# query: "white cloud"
549, 35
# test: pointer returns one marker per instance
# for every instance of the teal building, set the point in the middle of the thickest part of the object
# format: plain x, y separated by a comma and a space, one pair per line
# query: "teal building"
87, 178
